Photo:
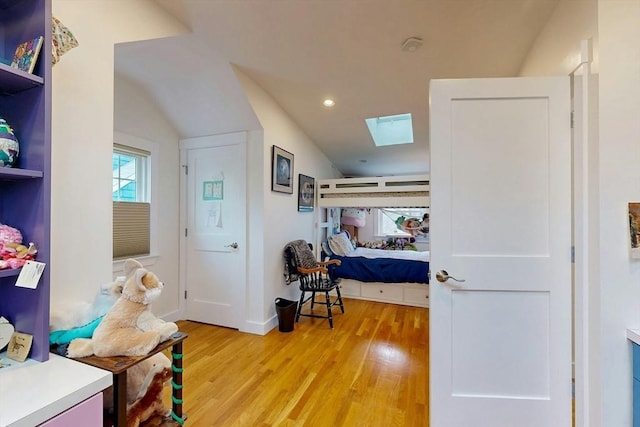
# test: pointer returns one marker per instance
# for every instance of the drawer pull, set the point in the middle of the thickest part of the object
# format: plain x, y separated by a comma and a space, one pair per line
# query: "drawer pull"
381, 291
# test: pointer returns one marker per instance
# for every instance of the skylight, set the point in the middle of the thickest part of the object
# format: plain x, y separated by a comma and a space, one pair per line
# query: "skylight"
391, 130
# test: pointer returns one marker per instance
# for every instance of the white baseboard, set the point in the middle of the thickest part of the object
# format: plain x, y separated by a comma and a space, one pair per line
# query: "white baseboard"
260, 328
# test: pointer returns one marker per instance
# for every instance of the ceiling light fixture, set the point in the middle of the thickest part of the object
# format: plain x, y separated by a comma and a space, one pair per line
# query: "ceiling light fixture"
411, 44
328, 102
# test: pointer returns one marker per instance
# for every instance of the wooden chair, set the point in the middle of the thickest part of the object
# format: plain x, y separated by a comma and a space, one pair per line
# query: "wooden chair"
314, 276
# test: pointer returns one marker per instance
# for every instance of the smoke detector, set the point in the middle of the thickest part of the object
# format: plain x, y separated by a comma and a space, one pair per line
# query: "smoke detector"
411, 44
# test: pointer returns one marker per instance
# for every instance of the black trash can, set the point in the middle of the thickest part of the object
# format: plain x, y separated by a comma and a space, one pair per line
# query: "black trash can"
286, 311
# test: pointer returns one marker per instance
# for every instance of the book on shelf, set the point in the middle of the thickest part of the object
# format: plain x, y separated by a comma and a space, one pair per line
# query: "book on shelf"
27, 54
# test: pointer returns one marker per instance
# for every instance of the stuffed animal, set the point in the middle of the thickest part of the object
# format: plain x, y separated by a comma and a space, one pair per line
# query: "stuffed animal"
78, 319
145, 382
414, 226
13, 254
129, 328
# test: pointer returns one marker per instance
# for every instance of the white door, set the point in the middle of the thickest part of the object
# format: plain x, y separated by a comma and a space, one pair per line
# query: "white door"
500, 341
214, 246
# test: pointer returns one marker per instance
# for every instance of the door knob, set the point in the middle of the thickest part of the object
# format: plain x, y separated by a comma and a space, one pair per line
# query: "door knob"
442, 276
234, 245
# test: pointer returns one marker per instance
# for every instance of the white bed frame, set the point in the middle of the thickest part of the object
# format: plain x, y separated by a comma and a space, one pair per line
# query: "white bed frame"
384, 191
374, 192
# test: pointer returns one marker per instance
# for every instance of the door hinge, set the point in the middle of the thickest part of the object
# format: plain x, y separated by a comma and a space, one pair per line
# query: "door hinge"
573, 254
186, 169
186, 232
572, 120
185, 294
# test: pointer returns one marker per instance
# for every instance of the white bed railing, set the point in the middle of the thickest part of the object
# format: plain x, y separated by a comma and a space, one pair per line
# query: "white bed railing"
384, 191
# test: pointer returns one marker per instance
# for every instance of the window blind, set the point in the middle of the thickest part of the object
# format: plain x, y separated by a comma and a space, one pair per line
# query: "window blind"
131, 150
131, 234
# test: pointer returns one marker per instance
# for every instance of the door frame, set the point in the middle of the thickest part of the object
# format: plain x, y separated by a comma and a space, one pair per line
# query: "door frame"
186, 145
585, 241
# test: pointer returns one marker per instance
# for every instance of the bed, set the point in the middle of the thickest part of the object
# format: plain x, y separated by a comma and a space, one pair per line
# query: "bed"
387, 266
399, 277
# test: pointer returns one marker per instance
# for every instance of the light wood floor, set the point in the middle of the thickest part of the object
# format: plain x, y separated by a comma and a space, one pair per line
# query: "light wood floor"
370, 370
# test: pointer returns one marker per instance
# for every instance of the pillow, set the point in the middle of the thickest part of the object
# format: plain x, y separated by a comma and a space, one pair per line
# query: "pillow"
340, 244
325, 248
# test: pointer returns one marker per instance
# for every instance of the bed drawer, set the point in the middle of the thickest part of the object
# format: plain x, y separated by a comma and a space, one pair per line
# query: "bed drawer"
382, 292
350, 289
417, 294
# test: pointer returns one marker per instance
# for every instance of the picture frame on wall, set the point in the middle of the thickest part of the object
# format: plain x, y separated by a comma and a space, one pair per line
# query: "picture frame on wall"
306, 193
281, 171
634, 229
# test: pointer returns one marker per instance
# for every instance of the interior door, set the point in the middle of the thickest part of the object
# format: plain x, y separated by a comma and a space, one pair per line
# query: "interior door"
500, 336
215, 236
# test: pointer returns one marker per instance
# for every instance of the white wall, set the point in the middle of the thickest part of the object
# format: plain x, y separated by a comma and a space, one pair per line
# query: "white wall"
281, 222
556, 51
619, 155
82, 137
83, 118
136, 116
616, 169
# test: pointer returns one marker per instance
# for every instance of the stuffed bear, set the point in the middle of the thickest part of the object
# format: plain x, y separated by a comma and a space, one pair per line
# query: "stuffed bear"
129, 328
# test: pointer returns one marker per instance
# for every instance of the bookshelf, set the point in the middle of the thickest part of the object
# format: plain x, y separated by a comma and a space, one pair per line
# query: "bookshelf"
25, 189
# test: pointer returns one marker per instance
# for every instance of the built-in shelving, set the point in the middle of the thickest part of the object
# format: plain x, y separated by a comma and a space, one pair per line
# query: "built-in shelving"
13, 80
25, 190
9, 174
10, 272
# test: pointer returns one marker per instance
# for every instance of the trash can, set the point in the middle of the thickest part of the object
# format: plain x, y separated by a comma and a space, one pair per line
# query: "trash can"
286, 311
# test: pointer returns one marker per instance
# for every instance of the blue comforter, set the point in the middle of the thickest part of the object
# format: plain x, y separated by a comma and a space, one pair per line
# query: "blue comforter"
385, 270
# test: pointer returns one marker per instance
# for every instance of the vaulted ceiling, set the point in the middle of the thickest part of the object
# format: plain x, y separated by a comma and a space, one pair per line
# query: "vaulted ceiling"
302, 51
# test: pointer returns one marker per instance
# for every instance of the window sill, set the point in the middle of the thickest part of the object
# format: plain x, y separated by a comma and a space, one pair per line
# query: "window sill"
145, 260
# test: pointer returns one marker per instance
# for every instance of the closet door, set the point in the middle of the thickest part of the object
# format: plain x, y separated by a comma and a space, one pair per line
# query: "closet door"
214, 255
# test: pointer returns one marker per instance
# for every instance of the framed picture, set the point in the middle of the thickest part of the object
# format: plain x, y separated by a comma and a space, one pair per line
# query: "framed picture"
281, 171
634, 229
306, 193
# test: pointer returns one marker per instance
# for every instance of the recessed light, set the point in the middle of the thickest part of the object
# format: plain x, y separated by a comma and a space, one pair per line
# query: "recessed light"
328, 102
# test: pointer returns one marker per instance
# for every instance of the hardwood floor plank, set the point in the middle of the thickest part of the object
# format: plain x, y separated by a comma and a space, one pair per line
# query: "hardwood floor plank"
370, 370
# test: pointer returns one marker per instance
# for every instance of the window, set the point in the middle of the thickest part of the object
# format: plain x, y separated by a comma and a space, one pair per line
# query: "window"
129, 177
131, 201
386, 219
391, 130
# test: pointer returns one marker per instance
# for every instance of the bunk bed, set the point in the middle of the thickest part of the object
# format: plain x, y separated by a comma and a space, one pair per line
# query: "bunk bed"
378, 192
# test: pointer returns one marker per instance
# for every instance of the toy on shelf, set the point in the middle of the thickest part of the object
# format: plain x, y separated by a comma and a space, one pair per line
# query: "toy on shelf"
9, 146
13, 254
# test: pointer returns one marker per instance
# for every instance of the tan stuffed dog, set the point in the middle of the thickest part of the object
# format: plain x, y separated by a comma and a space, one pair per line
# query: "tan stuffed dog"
129, 328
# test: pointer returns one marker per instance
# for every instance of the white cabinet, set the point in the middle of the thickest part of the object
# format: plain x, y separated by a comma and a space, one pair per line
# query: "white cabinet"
34, 392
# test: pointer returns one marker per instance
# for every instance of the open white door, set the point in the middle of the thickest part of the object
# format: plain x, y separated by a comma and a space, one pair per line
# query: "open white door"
500, 341
214, 243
